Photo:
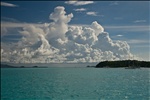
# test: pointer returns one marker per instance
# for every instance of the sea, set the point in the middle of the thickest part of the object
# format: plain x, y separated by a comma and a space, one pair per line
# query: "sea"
75, 83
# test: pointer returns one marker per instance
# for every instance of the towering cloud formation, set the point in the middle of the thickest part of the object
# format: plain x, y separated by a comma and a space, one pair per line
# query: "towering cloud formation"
59, 27
59, 42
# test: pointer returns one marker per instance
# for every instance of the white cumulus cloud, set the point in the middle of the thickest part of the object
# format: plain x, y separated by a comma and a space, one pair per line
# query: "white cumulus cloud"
59, 42
59, 27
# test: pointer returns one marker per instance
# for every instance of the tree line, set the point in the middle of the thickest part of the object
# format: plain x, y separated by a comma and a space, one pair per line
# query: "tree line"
123, 63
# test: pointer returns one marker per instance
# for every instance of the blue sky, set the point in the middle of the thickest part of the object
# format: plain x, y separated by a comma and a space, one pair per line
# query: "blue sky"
111, 12
123, 20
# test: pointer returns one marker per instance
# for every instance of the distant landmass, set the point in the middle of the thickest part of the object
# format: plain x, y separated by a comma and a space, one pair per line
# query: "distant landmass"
123, 63
105, 64
7, 66
10, 66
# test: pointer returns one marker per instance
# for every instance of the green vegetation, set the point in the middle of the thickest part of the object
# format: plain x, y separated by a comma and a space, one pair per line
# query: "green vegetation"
123, 63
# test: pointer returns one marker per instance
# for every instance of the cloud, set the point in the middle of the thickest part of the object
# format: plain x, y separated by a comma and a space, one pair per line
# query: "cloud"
114, 3
119, 35
59, 27
139, 21
92, 13
7, 19
79, 3
59, 42
80, 9
58, 15
8, 4
136, 41
31, 34
10, 28
97, 28
142, 46
18, 25
3, 31
130, 28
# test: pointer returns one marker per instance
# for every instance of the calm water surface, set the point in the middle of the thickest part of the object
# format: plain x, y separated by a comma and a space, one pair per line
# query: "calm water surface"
75, 84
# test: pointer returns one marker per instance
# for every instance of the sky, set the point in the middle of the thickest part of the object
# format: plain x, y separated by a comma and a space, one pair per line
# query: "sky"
74, 31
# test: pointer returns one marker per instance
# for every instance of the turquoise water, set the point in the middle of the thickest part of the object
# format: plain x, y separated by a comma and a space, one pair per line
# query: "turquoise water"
74, 84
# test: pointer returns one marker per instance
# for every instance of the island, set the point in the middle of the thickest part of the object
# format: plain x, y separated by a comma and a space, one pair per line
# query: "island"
7, 66
123, 63
11, 66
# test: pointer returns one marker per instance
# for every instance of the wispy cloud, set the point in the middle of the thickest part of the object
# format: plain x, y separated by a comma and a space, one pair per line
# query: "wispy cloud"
119, 35
136, 41
7, 19
79, 3
17, 25
92, 13
114, 3
141, 46
8, 4
130, 27
139, 21
134, 28
80, 9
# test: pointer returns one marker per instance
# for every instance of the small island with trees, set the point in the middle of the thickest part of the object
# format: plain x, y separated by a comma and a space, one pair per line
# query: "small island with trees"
123, 64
